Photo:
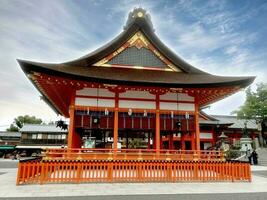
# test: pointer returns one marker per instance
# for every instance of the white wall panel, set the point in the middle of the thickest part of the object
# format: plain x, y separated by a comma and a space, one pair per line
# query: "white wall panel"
137, 94
93, 102
173, 96
173, 106
205, 135
137, 104
93, 92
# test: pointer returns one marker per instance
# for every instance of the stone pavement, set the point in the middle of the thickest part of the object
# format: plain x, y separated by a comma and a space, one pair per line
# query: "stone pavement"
9, 189
219, 196
262, 156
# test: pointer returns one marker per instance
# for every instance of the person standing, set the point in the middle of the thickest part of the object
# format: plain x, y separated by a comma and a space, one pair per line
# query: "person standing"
249, 155
254, 157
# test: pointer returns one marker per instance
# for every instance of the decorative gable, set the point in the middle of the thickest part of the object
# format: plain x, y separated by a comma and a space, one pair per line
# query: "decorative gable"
137, 53
132, 56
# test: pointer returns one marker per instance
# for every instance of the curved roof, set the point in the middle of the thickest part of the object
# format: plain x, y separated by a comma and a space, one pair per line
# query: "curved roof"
135, 76
139, 24
85, 69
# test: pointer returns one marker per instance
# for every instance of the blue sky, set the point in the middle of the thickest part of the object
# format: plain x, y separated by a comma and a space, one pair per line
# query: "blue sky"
221, 37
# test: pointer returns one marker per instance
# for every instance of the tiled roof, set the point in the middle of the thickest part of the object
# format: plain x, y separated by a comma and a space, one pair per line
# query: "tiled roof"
9, 134
41, 128
236, 123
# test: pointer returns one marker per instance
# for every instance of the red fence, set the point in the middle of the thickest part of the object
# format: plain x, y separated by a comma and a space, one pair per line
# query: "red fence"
132, 154
76, 171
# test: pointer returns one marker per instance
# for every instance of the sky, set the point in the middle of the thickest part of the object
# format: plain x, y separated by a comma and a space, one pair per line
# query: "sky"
222, 37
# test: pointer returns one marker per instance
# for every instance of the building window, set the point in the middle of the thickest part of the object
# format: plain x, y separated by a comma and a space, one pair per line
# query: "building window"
39, 136
63, 137
58, 137
50, 136
34, 136
55, 136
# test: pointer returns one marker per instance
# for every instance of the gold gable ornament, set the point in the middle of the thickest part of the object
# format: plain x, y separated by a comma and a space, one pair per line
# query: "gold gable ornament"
139, 41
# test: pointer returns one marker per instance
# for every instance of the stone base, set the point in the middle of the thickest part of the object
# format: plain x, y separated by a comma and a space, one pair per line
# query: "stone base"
246, 144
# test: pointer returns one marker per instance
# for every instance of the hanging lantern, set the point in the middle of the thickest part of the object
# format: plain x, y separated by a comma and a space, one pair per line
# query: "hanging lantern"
172, 115
187, 115
106, 111
130, 112
145, 113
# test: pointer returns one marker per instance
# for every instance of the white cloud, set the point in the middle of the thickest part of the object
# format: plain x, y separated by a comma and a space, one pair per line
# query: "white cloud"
34, 31
206, 35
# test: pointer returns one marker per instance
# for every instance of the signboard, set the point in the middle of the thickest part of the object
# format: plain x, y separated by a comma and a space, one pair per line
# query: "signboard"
89, 142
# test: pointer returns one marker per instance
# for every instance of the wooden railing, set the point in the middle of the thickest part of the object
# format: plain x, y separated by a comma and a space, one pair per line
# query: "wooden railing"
29, 170
132, 154
76, 171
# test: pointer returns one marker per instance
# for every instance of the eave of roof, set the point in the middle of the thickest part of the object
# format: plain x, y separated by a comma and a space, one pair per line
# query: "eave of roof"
9, 134
135, 76
34, 128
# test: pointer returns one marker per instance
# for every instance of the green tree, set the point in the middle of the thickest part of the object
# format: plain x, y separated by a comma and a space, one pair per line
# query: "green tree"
255, 106
136, 143
21, 120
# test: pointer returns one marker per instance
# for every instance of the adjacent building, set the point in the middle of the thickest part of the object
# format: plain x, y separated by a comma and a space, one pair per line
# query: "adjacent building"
8, 142
40, 136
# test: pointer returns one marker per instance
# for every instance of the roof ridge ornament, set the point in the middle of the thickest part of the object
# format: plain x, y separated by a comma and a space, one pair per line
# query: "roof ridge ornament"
138, 13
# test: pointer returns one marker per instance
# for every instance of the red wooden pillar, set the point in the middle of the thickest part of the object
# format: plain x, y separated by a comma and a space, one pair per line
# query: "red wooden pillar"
197, 133
157, 134
71, 127
116, 123
74, 140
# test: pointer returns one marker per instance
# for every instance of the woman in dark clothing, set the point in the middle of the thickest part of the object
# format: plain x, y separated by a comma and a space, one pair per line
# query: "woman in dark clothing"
254, 157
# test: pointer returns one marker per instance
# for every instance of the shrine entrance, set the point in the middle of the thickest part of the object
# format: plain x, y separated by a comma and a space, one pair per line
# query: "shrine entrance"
136, 138
127, 138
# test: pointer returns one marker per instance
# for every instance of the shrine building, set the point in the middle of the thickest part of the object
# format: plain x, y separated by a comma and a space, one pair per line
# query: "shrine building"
132, 87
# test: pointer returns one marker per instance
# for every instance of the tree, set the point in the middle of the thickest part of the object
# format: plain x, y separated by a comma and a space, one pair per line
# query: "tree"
136, 143
21, 120
255, 107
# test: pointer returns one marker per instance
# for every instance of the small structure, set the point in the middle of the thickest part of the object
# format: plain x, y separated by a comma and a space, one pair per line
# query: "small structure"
38, 137
133, 87
212, 126
245, 140
8, 142
224, 145
9, 138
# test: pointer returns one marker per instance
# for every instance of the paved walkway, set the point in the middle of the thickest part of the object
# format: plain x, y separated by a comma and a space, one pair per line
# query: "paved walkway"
9, 189
220, 196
